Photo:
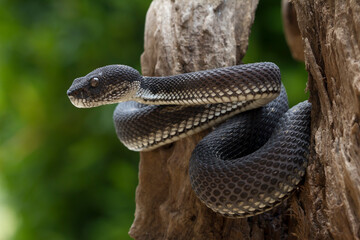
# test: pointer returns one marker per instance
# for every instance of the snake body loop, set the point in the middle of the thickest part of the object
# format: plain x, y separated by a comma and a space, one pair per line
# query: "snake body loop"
248, 164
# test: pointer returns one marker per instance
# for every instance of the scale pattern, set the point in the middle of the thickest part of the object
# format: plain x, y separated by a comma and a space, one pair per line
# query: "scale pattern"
238, 174
250, 163
199, 100
230, 84
143, 127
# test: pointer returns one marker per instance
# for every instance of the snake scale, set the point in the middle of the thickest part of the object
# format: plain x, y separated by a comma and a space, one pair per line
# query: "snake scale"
250, 163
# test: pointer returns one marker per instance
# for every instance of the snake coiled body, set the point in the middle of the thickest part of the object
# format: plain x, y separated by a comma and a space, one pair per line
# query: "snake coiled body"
248, 164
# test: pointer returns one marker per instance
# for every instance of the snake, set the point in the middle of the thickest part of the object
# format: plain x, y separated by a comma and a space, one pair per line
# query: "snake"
257, 152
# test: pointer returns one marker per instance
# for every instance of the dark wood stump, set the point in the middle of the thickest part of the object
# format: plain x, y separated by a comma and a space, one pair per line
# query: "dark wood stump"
191, 35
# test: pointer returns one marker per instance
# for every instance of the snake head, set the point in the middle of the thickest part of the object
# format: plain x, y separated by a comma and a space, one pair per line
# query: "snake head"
105, 85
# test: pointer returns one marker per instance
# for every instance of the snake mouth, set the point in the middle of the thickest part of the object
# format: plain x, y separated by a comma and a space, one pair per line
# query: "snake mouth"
83, 102
79, 100
87, 102
78, 103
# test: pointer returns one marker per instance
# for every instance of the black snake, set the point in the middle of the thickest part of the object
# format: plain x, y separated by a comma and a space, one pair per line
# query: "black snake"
248, 164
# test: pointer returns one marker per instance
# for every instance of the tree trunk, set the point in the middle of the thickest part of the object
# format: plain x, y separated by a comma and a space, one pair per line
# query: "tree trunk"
191, 35
330, 32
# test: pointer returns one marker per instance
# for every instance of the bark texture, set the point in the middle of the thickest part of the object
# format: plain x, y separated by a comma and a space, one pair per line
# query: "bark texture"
331, 198
191, 35
291, 30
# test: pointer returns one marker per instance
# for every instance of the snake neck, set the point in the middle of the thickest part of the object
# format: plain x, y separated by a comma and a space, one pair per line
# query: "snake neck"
258, 81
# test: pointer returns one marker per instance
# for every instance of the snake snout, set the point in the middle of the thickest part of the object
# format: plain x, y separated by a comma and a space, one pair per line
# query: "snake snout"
73, 94
77, 97
69, 93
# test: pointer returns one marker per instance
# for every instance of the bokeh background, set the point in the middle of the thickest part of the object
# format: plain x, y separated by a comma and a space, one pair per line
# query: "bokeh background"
63, 173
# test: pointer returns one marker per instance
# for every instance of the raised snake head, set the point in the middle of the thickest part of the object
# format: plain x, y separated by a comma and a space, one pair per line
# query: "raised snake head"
105, 85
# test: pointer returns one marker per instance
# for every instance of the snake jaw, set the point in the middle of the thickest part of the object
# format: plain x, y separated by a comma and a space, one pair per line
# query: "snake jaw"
83, 103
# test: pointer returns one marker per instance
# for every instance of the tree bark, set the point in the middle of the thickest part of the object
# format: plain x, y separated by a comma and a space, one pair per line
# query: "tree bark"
291, 30
191, 35
330, 32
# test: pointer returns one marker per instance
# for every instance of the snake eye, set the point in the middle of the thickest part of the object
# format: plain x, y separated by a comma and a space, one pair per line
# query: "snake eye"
94, 82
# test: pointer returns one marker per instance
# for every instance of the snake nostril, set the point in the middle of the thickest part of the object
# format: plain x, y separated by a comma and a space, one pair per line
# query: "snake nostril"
70, 93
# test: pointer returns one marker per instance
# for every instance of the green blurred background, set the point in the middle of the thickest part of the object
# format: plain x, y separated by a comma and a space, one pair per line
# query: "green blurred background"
63, 173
